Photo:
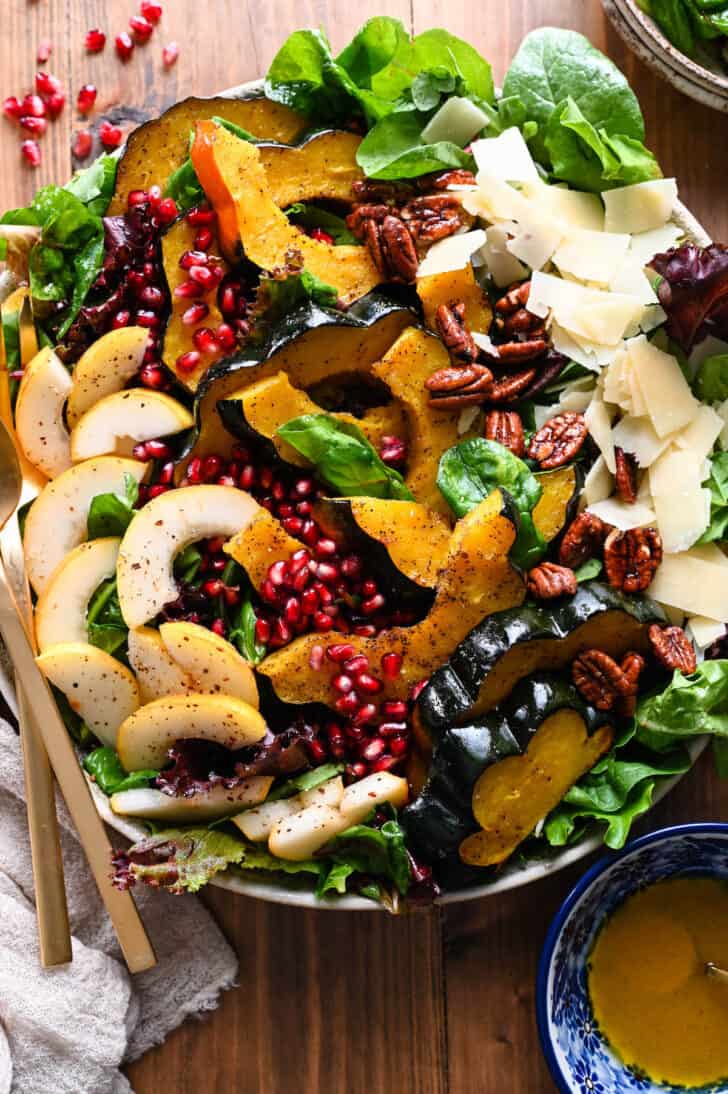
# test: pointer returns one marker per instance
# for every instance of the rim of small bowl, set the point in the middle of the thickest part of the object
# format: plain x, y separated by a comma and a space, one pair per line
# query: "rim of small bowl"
584, 883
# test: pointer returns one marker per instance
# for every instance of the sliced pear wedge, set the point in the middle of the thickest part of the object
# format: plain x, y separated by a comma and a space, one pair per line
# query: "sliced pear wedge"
60, 614
209, 805
106, 366
39, 423
56, 521
147, 735
117, 422
99, 688
213, 663
257, 824
299, 836
360, 798
157, 672
166, 525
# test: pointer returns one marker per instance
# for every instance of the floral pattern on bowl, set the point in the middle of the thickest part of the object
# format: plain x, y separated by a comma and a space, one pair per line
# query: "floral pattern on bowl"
580, 1059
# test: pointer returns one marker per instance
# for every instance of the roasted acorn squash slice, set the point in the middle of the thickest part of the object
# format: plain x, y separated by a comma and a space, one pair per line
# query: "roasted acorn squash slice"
511, 766
476, 580
233, 176
156, 149
454, 287
559, 501
260, 544
538, 637
322, 167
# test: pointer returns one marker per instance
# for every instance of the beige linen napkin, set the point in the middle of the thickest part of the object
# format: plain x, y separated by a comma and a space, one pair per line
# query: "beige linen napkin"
67, 1030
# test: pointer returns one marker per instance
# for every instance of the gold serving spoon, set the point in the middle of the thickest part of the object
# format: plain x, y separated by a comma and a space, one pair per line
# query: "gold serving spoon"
135, 944
715, 972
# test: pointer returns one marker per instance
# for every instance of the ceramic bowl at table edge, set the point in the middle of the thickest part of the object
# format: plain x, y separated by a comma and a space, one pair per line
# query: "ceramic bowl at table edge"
577, 1055
701, 82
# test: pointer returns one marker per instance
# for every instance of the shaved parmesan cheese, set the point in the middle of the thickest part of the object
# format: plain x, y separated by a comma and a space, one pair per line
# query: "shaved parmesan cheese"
641, 207
467, 418
616, 381
688, 582
654, 316
506, 157
535, 240
599, 424
668, 399
573, 207
681, 504
564, 343
630, 278
504, 268
598, 484
592, 256
486, 343
637, 436
452, 253
699, 437
645, 245
575, 399
588, 313
543, 414
458, 120
709, 552
703, 631
495, 200
622, 514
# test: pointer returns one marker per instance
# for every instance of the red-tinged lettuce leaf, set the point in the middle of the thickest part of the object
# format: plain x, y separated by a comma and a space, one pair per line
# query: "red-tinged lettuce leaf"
180, 861
694, 291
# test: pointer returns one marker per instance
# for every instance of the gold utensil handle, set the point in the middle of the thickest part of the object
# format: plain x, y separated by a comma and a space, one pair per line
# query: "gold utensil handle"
135, 944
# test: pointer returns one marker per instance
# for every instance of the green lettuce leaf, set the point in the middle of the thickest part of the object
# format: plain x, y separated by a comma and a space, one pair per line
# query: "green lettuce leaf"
105, 623
394, 149
689, 706
711, 379
589, 569
563, 827
307, 780
471, 470
94, 186
310, 216
717, 483
111, 515
278, 296
673, 18
378, 852
343, 457
242, 632
104, 766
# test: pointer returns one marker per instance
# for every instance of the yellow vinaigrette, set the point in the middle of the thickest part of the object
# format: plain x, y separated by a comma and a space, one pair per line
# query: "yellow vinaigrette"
649, 989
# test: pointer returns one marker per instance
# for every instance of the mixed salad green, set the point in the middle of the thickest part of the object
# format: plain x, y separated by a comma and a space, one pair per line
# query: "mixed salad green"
697, 27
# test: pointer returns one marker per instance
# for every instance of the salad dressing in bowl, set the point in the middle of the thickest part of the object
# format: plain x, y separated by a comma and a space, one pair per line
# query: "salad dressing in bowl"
650, 992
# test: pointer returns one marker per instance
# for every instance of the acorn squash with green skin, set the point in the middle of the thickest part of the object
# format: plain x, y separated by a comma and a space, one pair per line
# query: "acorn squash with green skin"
320, 167
441, 819
156, 149
558, 504
511, 645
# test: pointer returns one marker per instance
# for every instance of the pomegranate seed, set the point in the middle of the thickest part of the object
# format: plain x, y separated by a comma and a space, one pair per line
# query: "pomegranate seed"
158, 450
373, 749
36, 126
218, 565
199, 215
416, 689
392, 729
139, 451
141, 28
309, 601
34, 105
364, 630
205, 340
216, 544
151, 11
31, 152
211, 467
207, 276
325, 571
167, 210
203, 240
398, 746
124, 45
293, 525
324, 594
351, 566
145, 318
213, 587
121, 319
394, 708
218, 627
309, 533
357, 770
188, 290
95, 40
391, 665
368, 684
393, 451
266, 478
152, 296
157, 489
278, 491
340, 652
153, 377
45, 48
195, 314
55, 103
137, 197
321, 236
86, 99
170, 53
278, 572
356, 664
262, 631
228, 299
110, 135
347, 704
322, 622
365, 714
189, 361
299, 559
137, 280
247, 477
326, 547
303, 487
82, 144
46, 84
193, 258
384, 763
226, 336
369, 587
12, 107
301, 580
292, 610
167, 472
342, 683
316, 657
281, 630
373, 604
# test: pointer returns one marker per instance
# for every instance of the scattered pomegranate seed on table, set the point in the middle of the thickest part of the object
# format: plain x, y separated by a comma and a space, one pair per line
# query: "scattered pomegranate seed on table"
124, 45
46, 84
141, 28
151, 11
13, 108
33, 105
170, 53
30, 151
95, 40
110, 135
86, 99
45, 48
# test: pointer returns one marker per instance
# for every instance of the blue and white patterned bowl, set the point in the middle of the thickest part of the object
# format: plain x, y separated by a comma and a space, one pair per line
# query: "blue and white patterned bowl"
580, 1060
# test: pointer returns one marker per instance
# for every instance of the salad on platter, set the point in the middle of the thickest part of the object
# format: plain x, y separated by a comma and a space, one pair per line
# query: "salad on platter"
698, 28
380, 424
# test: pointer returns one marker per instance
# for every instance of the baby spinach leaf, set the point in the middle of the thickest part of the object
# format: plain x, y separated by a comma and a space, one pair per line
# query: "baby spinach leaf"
394, 149
94, 186
104, 766
711, 380
379, 852
673, 18
242, 632
687, 707
717, 483
335, 879
343, 457
105, 623
380, 43
591, 159
187, 564
110, 515
310, 216
471, 470
588, 570
183, 186
278, 296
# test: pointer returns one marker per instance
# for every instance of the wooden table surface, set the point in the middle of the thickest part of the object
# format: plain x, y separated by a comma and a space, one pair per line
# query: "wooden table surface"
435, 1002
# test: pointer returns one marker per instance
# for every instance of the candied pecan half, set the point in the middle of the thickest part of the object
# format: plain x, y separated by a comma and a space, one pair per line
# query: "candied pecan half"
456, 377
516, 297
632, 666
631, 558
506, 427
509, 388
357, 219
559, 440
378, 190
453, 330
457, 177
602, 681
517, 352
399, 249
518, 322
547, 581
434, 216
626, 475
583, 539
672, 648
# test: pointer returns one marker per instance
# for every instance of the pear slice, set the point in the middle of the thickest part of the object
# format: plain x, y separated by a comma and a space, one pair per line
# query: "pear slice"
213, 663
60, 614
157, 672
106, 366
39, 424
147, 735
257, 824
208, 805
166, 525
300, 835
361, 797
56, 521
117, 422
99, 688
